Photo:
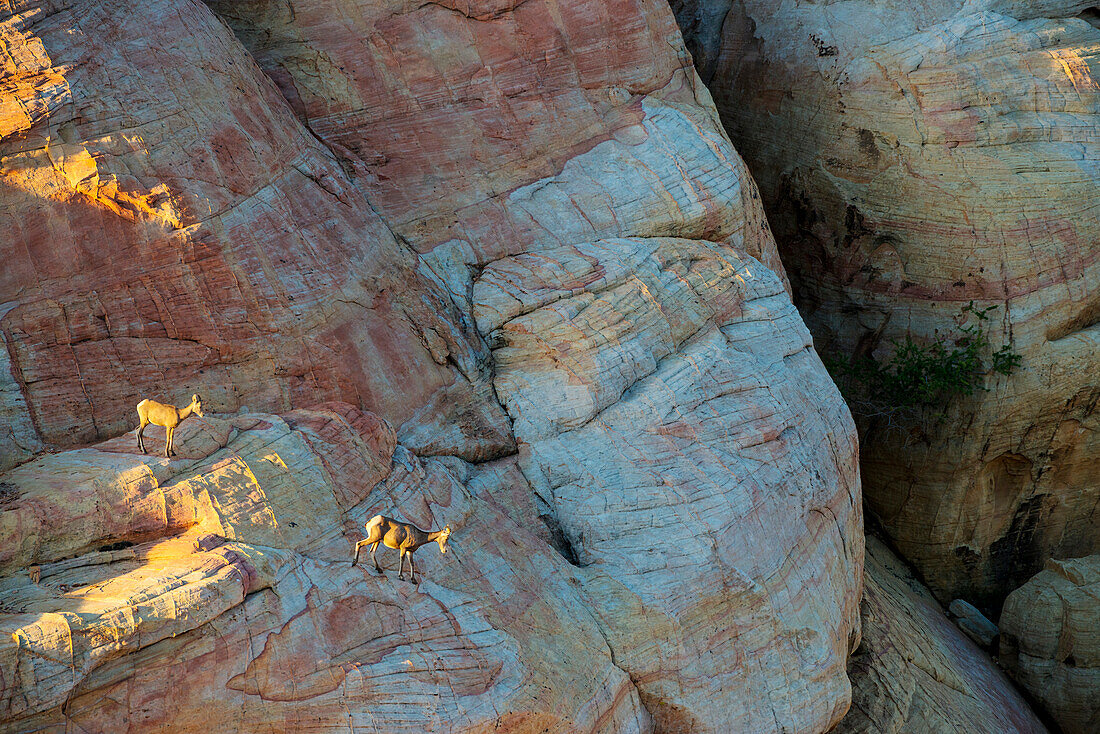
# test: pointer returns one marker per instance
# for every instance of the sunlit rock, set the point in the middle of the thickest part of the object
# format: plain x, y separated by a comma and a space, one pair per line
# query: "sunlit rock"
279, 204
227, 593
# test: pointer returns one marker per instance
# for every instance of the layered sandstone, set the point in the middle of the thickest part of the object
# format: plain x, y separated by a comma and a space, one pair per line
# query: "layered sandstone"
519, 236
165, 594
916, 672
1050, 641
664, 443
915, 157
170, 222
225, 592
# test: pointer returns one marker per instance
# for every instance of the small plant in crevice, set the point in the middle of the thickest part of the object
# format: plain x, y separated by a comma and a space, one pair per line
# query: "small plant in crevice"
920, 378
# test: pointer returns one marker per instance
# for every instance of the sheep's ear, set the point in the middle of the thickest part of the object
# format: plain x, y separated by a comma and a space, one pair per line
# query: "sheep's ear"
195, 398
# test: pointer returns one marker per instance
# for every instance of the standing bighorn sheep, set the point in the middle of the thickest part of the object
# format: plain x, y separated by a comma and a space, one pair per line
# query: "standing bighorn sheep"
402, 537
169, 416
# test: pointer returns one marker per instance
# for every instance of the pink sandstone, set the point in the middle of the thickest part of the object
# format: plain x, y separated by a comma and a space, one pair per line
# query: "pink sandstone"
336, 201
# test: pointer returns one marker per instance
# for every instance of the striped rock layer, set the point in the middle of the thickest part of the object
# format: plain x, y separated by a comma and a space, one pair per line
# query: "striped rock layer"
513, 241
915, 157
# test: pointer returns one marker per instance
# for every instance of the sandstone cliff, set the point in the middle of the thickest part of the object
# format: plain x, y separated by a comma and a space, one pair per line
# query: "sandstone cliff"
914, 157
219, 587
516, 234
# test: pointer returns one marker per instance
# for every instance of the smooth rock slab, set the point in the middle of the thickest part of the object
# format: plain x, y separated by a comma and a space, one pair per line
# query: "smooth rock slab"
916, 672
675, 424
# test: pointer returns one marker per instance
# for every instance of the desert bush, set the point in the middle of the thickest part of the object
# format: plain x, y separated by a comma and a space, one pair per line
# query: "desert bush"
920, 377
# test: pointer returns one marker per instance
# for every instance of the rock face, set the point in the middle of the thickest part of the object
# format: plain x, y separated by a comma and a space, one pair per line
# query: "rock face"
169, 222
916, 672
219, 587
915, 157
618, 361
1050, 641
517, 236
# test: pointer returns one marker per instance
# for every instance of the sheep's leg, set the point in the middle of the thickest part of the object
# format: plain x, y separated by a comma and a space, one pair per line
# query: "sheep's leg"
359, 547
141, 439
401, 564
168, 434
373, 548
412, 568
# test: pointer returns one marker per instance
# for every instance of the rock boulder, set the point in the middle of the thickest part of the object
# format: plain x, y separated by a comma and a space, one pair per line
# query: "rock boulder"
1050, 641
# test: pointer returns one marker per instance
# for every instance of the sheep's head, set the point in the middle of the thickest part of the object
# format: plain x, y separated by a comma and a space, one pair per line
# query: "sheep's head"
196, 403
442, 539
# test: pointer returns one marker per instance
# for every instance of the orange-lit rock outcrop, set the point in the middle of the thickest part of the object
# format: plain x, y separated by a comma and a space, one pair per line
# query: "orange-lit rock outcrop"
225, 593
305, 202
219, 586
914, 157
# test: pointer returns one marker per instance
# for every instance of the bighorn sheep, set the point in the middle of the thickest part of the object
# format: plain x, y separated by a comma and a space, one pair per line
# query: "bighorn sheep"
402, 537
169, 416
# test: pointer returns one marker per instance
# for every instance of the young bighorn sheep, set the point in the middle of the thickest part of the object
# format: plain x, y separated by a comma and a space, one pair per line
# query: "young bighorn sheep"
169, 416
400, 536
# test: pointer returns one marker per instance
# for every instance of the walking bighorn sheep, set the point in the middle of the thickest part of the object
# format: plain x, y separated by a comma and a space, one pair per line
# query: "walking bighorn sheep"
169, 416
402, 537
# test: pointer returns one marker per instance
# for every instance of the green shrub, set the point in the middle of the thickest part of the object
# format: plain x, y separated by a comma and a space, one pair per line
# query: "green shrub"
927, 373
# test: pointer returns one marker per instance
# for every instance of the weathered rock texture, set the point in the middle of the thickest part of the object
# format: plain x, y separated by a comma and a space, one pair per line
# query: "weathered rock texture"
914, 157
219, 588
1050, 641
460, 219
916, 672
168, 221
621, 363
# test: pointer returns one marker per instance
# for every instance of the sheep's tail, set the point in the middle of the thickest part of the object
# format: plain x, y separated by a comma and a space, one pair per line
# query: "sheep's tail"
143, 402
373, 523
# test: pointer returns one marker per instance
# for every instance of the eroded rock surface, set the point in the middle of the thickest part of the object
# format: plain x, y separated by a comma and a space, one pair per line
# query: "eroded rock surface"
664, 443
169, 221
1050, 641
220, 586
916, 672
915, 157
225, 592
345, 200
